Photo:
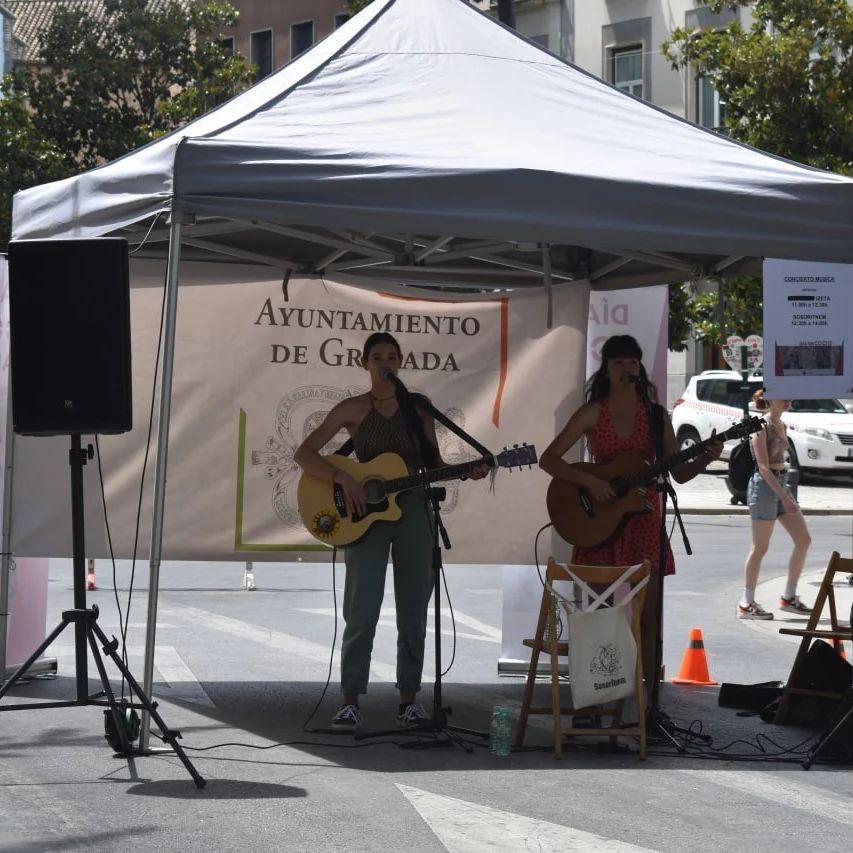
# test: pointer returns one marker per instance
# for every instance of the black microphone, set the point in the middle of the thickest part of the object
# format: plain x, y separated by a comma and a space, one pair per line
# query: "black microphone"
392, 377
632, 379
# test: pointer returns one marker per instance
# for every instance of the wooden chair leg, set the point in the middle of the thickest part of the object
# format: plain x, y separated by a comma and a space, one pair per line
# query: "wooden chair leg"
527, 699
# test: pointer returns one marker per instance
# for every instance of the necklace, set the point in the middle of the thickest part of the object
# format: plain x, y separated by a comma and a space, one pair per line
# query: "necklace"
381, 399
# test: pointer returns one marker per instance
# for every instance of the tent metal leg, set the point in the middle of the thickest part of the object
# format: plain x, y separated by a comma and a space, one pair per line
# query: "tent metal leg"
160, 472
6, 559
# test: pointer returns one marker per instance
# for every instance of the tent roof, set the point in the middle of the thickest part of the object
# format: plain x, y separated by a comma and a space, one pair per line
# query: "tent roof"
425, 142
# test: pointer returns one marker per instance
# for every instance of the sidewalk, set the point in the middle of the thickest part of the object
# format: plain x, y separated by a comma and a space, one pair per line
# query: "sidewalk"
707, 494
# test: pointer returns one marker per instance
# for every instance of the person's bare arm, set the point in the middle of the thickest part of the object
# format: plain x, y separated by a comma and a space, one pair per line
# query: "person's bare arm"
551, 461
312, 462
308, 456
688, 470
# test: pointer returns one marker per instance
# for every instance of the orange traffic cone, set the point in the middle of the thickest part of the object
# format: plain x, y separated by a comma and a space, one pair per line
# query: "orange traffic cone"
694, 664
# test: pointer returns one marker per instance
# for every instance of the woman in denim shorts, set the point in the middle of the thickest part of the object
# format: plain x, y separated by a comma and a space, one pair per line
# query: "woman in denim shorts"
769, 499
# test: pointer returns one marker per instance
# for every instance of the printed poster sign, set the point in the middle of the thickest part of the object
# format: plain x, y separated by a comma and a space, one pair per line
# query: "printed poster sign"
258, 364
807, 330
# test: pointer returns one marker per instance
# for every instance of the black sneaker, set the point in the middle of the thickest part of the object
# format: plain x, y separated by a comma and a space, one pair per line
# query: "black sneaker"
411, 714
347, 719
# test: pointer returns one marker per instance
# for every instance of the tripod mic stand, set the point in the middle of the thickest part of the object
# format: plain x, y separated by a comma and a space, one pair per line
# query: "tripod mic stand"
87, 631
656, 720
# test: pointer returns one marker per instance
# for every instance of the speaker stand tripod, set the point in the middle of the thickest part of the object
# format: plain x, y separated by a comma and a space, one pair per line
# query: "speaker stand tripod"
87, 632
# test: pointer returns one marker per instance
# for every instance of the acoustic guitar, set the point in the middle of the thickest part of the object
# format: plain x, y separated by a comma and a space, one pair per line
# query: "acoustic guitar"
583, 521
323, 507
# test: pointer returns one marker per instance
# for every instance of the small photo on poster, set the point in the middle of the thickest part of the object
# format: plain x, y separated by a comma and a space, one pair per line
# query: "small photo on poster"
810, 360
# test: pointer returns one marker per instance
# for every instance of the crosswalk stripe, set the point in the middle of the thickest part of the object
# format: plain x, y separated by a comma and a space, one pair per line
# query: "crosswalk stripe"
778, 789
294, 646
463, 826
487, 633
183, 685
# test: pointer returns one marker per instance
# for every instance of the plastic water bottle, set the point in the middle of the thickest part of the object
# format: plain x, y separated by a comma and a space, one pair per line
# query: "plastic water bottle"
501, 735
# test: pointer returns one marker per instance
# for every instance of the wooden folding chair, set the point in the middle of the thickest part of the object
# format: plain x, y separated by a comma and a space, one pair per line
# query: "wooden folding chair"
546, 640
835, 633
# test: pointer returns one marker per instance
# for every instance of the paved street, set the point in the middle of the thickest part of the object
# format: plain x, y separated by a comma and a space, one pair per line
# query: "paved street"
239, 674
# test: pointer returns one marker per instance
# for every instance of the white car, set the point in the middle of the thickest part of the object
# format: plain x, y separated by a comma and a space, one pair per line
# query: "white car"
820, 432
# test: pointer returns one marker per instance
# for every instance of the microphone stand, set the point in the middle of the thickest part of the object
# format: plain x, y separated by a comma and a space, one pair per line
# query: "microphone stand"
656, 719
437, 724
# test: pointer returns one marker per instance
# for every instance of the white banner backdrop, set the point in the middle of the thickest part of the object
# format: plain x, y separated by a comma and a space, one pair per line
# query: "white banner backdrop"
257, 365
643, 313
26, 588
808, 345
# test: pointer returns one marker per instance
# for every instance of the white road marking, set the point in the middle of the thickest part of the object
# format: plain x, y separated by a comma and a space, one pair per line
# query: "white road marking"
462, 826
487, 633
445, 632
179, 677
290, 644
777, 788
172, 668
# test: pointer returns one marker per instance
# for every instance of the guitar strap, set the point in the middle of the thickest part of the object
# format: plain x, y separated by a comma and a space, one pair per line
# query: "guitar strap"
347, 447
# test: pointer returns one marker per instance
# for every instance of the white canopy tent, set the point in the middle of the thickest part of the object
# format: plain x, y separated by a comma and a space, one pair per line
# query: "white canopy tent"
423, 142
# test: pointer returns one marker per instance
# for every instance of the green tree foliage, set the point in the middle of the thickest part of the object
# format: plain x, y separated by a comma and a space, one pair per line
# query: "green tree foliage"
111, 84
742, 310
357, 5
786, 78
26, 158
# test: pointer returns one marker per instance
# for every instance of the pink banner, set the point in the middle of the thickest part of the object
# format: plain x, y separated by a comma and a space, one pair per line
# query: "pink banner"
28, 608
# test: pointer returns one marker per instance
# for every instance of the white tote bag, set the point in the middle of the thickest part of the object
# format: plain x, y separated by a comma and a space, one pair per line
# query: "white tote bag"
602, 649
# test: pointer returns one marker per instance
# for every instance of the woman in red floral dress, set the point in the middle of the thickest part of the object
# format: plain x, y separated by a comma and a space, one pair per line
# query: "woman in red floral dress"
615, 420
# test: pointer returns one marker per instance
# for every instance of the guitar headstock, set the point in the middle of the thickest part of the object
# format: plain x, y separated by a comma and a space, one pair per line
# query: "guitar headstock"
517, 456
744, 428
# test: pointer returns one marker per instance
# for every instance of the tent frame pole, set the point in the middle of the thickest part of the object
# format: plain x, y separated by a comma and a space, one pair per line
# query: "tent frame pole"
156, 548
6, 557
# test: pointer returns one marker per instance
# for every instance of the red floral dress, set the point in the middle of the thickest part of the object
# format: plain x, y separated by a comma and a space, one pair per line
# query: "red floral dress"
640, 537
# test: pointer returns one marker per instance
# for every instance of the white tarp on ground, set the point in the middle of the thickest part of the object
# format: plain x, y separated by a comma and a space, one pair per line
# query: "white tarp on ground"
255, 372
427, 116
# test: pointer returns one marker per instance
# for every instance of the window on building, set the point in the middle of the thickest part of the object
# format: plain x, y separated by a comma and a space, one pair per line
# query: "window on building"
710, 110
341, 19
301, 37
260, 52
543, 40
627, 69
227, 44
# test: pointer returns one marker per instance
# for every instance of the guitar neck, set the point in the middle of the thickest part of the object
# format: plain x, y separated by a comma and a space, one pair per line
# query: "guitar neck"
436, 475
661, 466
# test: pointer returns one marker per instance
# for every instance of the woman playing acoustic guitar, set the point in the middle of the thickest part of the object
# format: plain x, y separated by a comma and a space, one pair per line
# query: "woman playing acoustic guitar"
616, 420
376, 425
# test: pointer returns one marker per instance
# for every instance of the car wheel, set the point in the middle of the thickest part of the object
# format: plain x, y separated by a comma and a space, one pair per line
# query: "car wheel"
687, 437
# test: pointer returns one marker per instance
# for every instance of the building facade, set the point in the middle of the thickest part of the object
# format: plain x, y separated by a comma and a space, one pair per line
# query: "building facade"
272, 32
11, 47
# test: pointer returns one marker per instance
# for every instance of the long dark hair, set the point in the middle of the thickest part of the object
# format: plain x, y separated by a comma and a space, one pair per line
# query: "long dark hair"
379, 338
618, 346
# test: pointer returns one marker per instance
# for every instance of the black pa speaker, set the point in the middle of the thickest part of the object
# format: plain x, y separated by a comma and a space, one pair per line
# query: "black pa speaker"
69, 320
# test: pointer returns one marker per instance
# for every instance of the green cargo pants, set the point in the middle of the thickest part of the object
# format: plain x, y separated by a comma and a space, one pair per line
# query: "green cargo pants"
409, 541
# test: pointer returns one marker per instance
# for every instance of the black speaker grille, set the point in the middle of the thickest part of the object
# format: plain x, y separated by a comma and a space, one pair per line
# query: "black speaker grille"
69, 317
